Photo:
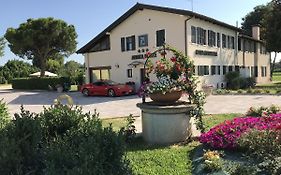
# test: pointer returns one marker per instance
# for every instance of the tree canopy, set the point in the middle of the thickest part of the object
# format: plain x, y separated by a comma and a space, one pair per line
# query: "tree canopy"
41, 39
15, 69
2, 46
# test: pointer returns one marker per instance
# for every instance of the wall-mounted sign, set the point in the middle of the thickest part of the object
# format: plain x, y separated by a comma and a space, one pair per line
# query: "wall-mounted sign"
204, 52
142, 56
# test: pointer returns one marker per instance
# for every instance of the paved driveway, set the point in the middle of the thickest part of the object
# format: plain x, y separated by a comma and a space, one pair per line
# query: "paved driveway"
123, 106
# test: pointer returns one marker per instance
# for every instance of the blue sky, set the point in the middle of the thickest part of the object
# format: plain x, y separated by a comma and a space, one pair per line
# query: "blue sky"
91, 16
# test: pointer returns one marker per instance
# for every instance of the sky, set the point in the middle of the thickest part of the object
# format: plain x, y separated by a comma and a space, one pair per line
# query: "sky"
90, 17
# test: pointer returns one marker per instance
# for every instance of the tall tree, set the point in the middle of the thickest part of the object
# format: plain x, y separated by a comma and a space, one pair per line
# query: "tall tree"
255, 17
41, 39
272, 35
2, 46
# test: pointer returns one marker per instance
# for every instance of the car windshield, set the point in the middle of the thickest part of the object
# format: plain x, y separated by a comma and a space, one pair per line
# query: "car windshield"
109, 82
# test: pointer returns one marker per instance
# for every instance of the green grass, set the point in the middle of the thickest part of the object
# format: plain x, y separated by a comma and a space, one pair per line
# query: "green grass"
276, 76
148, 159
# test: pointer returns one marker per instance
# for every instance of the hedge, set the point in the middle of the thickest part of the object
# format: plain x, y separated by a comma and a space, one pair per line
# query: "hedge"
39, 83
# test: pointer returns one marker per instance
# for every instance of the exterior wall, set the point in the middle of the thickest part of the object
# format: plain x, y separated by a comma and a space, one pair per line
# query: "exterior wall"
148, 22
141, 22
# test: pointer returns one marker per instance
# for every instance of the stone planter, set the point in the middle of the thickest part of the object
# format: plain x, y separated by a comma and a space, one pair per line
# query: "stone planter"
169, 97
60, 89
165, 124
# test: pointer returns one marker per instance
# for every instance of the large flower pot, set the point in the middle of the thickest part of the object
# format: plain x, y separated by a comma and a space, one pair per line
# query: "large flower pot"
169, 97
166, 124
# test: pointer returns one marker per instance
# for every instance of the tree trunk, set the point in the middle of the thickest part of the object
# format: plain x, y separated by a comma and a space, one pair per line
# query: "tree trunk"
273, 64
42, 66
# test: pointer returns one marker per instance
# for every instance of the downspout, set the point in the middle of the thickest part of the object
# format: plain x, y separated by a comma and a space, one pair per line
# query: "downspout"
185, 36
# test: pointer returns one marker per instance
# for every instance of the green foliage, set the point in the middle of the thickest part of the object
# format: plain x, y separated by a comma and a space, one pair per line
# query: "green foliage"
129, 130
38, 83
15, 69
74, 71
2, 46
62, 140
262, 111
54, 66
41, 39
265, 147
221, 91
20, 143
234, 81
4, 115
241, 169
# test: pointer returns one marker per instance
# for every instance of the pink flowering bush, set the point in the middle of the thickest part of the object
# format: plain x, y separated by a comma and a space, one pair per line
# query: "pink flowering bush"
225, 135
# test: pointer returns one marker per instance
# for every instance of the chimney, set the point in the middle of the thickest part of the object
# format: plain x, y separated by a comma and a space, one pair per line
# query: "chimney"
256, 32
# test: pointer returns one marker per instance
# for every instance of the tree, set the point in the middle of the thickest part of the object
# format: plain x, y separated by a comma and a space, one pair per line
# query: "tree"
41, 39
255, 17
54, 66
2, 46
15, 69
72, 69
272, 33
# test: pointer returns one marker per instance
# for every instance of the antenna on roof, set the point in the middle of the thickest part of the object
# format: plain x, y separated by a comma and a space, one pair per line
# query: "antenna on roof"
191, 1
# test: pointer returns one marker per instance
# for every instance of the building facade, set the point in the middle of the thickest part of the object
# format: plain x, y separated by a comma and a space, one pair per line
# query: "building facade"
117, 53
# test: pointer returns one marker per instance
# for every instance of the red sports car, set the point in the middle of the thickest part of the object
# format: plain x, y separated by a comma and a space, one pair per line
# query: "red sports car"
106, 88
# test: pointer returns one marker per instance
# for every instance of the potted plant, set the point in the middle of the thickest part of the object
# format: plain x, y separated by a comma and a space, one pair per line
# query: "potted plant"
174, 76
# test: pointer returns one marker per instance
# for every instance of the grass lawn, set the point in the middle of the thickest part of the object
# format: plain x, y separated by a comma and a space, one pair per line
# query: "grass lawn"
276, 76
148, 159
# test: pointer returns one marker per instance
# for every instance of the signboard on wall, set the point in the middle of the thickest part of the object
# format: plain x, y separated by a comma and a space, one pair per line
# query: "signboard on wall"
205, 52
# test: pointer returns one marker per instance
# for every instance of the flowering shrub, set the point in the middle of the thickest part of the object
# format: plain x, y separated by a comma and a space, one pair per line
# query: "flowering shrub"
174, 72
225, 135
262, 111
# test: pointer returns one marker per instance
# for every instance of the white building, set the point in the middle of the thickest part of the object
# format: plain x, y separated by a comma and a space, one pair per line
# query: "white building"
216, 47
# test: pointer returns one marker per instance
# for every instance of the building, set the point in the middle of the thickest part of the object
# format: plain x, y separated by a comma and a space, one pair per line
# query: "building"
216, 47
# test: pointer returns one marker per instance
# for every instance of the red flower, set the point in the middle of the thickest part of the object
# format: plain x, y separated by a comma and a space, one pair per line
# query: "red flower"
147, 55
173, 59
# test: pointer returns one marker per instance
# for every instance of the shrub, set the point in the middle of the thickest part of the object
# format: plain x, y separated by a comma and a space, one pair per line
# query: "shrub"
240, 91
230, 77
62, 140
234, 81
225, 135
4, 115
261, 111
20, 143
212, 161
90, 149
39, 83
250, 90
257, 91
250, 82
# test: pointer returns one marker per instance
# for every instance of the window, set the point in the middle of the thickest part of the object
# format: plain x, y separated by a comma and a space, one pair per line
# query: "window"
203, 70
143, 40
223, 41
160, 37
230, 68
213, 70
218, 40
224, 70
201, 36
219, 70
263, 71
131, 43
103, 44
237, 69
256, 71
262, 49
211, 38
252, 71
239, 44
232, 42
129, 73
128, 43
99, 73
228, 42
193, 34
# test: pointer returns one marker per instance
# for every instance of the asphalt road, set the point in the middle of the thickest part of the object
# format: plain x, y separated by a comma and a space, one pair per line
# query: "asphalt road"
109, 107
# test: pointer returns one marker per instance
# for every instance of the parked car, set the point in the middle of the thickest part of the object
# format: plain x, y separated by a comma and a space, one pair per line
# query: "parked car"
106, 88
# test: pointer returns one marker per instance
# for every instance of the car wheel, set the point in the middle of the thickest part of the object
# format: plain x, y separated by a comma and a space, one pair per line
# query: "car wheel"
85, 92
111, 93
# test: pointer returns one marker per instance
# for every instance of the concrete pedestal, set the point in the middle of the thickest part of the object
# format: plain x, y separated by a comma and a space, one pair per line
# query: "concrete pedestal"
165, 124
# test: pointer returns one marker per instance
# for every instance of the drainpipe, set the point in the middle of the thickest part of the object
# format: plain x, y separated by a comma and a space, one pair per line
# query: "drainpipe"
185, 36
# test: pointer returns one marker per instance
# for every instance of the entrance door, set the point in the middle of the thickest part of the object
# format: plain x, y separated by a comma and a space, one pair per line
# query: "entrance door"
142, 75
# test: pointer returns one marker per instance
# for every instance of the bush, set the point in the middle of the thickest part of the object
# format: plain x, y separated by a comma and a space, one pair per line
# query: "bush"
62, 140
4, 115
261, 111
225, 135
39, 83
85, 147
20, 143
234, 81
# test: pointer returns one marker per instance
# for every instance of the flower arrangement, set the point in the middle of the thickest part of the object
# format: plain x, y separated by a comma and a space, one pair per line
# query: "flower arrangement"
174, 72
225, 135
